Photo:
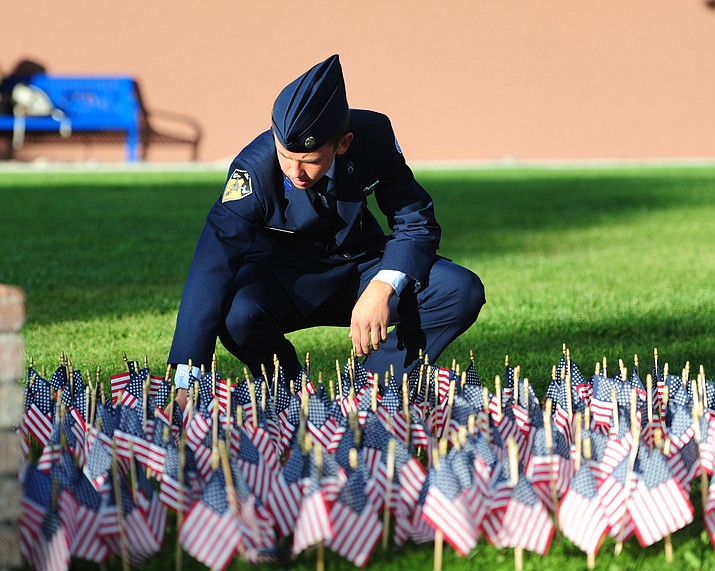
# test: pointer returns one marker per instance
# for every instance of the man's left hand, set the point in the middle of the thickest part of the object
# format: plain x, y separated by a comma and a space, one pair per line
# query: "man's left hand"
370, 317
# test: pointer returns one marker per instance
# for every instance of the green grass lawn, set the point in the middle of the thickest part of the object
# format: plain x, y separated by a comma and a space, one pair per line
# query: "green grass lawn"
613, 262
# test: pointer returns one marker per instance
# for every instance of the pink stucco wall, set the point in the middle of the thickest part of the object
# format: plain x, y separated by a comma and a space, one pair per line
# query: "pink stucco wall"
461, 80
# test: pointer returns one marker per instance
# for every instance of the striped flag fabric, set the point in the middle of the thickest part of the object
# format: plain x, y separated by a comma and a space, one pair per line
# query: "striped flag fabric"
285, 497
581, 516
658, 505
526, 523
210, 532
81, 505
446, 509
356, 525
313, 524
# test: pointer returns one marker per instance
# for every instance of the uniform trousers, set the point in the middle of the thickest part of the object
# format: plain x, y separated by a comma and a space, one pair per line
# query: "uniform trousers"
261, 313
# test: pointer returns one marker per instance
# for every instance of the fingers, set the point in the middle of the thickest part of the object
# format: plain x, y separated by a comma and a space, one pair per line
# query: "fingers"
368, 337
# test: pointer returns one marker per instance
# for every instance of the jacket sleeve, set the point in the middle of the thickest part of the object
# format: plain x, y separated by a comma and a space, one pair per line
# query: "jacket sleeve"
412, 248
228, 235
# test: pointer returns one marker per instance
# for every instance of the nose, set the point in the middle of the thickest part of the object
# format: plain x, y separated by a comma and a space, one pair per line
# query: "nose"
295, 170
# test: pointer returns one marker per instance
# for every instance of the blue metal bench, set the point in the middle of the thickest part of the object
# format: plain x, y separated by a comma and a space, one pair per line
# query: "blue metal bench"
104, 109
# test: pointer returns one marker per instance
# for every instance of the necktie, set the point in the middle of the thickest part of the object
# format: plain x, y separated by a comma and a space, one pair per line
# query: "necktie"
324, 201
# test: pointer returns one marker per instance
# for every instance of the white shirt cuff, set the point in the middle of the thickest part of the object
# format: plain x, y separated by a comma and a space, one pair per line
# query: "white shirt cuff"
398, 280
181, 378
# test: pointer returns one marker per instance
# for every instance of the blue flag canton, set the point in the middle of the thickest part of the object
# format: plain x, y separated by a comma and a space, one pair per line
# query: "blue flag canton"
353, 493
620, 472
86, 495
130, 421
50, 524
392, 398
481, 449
243, 490
282, 397
39, 394
66, 472
461, 464
677, 391
37, 485
317, 412
584, 484
598, 443
472, 377
603, 387
247, 450
295, 465
560, 444
461, 410
374, 434
214, 494
681, 418
653, 468
474, 395
99, 461
524, 493
59, 378
444, 480
108, 416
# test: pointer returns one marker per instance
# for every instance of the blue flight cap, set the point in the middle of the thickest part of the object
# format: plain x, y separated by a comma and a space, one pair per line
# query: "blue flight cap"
310, 111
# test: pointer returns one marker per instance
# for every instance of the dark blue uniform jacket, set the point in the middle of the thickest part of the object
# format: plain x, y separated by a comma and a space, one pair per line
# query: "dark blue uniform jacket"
276, 225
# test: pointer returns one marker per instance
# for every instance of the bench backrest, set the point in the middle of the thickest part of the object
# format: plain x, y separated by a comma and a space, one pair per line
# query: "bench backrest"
93, 103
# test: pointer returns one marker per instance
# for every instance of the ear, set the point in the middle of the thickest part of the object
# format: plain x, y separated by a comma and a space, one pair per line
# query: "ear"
344, 143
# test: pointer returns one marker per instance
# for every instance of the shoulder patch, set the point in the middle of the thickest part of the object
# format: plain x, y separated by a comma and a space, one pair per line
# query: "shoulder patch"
238, 186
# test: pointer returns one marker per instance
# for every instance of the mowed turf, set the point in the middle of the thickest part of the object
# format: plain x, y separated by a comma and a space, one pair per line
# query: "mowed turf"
612, 262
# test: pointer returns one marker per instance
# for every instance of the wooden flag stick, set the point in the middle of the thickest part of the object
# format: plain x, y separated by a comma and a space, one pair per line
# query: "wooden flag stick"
484, 418
116, 484
228, 478
229, 417
497, 395
318, 457
178, 554
635, 431
513, 453
614, 404
252, 393
704, 488
339, 379
450, 402
388, 492
214, 437
438, 536
406, 409
549, 443
276, 374
577, 441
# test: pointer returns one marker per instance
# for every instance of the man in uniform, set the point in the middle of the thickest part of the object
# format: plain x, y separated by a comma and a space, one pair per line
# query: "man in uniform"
290, 244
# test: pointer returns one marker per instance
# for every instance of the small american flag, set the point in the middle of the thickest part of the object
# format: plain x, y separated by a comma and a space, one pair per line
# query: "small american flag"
356, 526
446, 509
658, 505
526, 522
581, 516
210, 532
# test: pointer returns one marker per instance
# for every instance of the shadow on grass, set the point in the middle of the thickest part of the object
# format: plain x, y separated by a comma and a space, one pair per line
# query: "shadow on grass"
113, 248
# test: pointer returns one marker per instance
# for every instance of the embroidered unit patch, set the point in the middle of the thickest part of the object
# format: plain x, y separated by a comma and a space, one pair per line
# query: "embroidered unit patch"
238, 186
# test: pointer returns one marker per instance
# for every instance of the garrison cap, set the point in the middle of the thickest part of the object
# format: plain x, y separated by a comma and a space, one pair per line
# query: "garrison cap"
309, 111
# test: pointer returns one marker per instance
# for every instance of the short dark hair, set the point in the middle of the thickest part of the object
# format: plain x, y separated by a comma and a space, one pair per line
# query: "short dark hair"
344, 128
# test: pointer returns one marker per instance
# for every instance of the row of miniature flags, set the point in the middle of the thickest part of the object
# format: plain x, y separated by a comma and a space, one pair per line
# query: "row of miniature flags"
266, 468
